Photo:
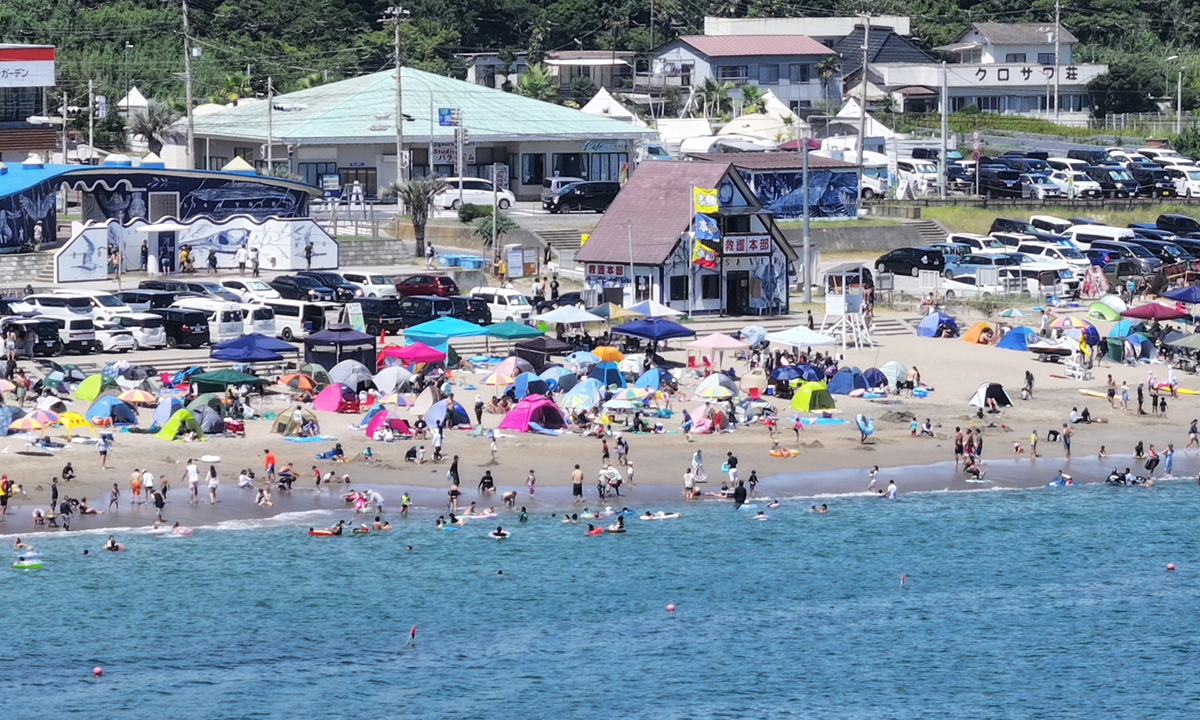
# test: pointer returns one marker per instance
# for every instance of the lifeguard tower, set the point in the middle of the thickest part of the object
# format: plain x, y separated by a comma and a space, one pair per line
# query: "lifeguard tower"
844, 306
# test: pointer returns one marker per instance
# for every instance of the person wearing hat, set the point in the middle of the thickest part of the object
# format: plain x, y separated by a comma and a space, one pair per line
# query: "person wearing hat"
479, 406
38, 234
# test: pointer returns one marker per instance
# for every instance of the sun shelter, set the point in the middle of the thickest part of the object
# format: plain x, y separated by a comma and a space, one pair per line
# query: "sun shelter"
377, 421
337, 343
988, 392
1017, 338
415, 352
257, 340
895, 373
799, 371
608, 374
1155, 311
209, 420
110, 410
336, 398
93, 386
559, 378
800, 336
654, 329
812, 396
653, 379
286, 425
512, 330
317, 372
221, 379
391, 379
9, 413
568, 315
846, 380
718, 380
874, 378
514, 366
167, 407
932, 324
654, 309
1102, 311
437, 414
587, 394
351, 373
978, 331
1188, 294
179, 423
246, 355
212, 400
538, 350
437, 333
533, 413
529, 384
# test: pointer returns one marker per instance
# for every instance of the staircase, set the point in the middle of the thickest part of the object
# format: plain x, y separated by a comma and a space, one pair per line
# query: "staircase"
893, 327
560, 240
373, 253
20, 269
931, 231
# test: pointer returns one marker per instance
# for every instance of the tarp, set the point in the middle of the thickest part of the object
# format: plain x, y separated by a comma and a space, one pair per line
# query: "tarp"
974, 332
928, 327
210, 420
846, 380
653, 379
608, 374
9, 413
391, 379
437, 414
182, 421
874, 378
800, 336
990, 391
285, 425
257, 340
654, 309
894, 372
351, 373
528, 383
511, 330
1189, 294
416, 352
812, 396
1101, 311
1017, 339
334, 398
112, 408
533, 409
337, 343
93, 385
219, 380
654, 329
167, 406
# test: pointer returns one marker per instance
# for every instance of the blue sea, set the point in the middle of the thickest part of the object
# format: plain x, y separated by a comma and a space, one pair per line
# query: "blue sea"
1027, 603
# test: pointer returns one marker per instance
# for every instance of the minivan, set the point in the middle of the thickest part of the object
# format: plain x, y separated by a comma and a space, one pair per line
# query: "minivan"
186, 328
372, 285
550, 186
1168, 252
381, 315
104, 303
145, 300
505, 304
999, 181
147, 329
258, 319
595, 195
474, 191
77, 334
1145, 260
296, 318
1187, 179
1084, 235
472, 309
1115, 182
54, 304
224, 318
921, 175
46, 329
1153, 181
1049, 223
417, 309
1093, 156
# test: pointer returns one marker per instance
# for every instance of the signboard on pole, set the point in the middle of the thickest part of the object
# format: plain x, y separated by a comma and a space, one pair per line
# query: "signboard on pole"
354, 314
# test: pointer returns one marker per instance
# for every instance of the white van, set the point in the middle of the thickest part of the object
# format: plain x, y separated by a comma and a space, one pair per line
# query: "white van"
1187, 179
921, 175
1067, 164
474, 191
258, 319
147, 328
1083, 235
104, 304
296, 319
875, 181
373, 285
53, 304
505, 304
224, 318
77, 333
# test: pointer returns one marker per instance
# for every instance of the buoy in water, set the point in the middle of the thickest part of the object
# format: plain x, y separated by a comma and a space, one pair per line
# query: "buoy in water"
1170, 566
97, 671
670, 607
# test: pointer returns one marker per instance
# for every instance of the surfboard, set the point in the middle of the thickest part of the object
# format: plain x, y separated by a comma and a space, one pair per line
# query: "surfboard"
1181, 391
1092, 393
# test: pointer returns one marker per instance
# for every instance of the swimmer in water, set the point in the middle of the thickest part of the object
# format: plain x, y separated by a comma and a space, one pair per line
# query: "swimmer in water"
618, 526
18, 545
499, 533
648, 515
773, 504
361, 529
761, 515
112, 545
440, 522
824, 508
523, 516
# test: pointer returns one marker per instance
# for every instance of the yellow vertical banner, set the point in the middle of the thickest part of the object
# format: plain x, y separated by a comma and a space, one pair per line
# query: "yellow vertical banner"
704, 200
583, 239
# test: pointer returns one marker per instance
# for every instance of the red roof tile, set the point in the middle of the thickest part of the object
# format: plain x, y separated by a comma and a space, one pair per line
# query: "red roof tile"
755, 45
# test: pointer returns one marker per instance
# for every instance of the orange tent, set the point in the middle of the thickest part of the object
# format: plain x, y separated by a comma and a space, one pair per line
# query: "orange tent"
981, 333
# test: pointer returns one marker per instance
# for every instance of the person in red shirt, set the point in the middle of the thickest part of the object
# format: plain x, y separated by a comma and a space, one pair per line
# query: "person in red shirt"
269, 464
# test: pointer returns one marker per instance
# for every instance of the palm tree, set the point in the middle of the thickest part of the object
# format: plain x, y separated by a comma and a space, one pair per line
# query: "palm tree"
416, 195
714, 97
154, 124
753, 100
233, 87
504, 225
826, 69
537, 83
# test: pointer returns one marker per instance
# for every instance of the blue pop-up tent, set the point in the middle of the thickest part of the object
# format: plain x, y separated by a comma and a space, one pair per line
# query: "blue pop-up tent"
257, 340
1189, 294
1017, 339
437, 414
608, 374
846, 380
653, 379
527, 383
929, 326
110, 407
166, 408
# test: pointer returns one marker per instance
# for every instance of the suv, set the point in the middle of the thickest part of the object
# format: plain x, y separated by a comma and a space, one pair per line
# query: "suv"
1153, 181
427, 285
1144, 259
343, 291
472, 309
1115, 182
372, 285
1168, 252
595, 195
187, 328
550, 186
170, 285
1026, 165
911, 261
213, 291
504, 304
1093, 157
48, 341
381, 315
999, 181
77, 334
54, 305
1057, 253
146, 300
301, 287
417, 309
250, 289
474, 191
971, 263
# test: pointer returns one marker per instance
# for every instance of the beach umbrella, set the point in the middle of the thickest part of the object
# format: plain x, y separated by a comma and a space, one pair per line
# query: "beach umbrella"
613, 312
568, 315
72, 420
1155, 311
398, 399
498, 379
715, 392
6, 386
653, 309
607, 353
631, 394
619, 405
45, 417
140, 397
1011, 313
28, 422
1070, 322
582, 358
298, 381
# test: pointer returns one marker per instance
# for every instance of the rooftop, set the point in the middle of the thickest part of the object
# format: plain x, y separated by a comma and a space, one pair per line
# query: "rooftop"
362, 110
1019, 33
772, 160
755, 45
885, 45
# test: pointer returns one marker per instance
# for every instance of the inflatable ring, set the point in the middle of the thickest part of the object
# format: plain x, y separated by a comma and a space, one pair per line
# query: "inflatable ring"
780, 453
865, 426
795, 453
595, 531
321, 533
27, 564
724, 467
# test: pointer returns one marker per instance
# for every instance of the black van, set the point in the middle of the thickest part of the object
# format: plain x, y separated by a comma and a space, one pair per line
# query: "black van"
48, 341
170, 285
1093, 157
591, 195
1153, 181
147, 299
188, 328
1114, 181
416, 309
381, 314
999, 181
472, 309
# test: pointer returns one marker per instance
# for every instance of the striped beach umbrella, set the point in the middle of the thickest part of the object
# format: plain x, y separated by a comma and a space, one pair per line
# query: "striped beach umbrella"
29, 422
138, 397
1070, 322
497, 379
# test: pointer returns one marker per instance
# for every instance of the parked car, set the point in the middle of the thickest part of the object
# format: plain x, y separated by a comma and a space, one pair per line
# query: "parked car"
1050, 223
505, 304
372, 285
1187, 179
1038, 187
171, 285
299, 287
551, 185
1092, 156
184, 328
952, 250
1027, 166
1178, 224
475, 191
442, 285
213, 291
596, 195
1076, 184
48, 342
343, 291
571, 298
921, 175
1144, 259
1168, 252
103, 303
1115, 182
1047, 272
970, 264
472, 309
52, 304
1163, 156
999, 181
1153, 181
1022, 227
977, 243
1061, 163
140, 301
910, 261
250, 290
381, 315
1057, 253
417, 309
111, 337
146, 328
77, 334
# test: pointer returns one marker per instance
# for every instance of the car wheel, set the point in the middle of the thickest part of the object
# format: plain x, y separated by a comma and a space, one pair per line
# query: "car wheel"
948, 294
868, 194
916, 271
172, 343
57, 349
137, 345
373, 330
97, 346
881, 268
503, 204
948, 274
286, 334
453, 204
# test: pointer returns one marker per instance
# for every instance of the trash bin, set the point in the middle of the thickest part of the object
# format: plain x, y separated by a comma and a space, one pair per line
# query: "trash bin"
1116, 349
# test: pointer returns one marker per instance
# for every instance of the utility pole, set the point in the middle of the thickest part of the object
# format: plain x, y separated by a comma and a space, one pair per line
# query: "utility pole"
65, 99
806, 275
1179, 102
1057, 31
91, 119
495, 204
460, 138
397, 15
128, 47
862, 121
945, 128
187, 79
270, 129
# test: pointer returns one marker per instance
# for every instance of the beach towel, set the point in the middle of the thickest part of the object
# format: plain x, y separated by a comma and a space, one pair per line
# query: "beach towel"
315, 438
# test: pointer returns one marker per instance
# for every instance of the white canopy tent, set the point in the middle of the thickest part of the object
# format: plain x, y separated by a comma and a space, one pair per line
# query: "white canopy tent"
569, 315
800, 336
852, 111
603, 104
653, 309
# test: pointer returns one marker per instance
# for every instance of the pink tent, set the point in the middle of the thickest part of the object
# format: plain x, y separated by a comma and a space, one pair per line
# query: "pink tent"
377, 421
336, 398
533, 409
514, 366
415, 352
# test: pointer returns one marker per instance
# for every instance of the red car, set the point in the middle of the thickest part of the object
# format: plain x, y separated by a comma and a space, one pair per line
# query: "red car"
427, 285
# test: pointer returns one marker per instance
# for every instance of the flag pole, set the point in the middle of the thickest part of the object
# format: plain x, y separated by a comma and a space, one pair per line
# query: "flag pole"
691, 266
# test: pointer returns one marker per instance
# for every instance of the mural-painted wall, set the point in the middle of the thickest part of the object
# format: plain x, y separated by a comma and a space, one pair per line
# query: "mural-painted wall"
280, 242
830, 194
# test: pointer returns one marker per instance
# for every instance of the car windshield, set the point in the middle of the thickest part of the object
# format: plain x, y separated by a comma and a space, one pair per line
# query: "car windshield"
212, 288
517, 300
307, 282
1020, 259
257, 285
924, 167
1070, 253
1080, 177
378, 280
1038, 165
1140, 251
1120, 175
1174, 250
107, 300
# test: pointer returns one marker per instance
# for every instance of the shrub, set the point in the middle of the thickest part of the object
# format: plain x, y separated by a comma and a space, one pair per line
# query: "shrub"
468, 212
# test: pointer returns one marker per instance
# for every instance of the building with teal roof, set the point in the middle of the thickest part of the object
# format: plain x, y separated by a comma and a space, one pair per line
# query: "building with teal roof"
347, 129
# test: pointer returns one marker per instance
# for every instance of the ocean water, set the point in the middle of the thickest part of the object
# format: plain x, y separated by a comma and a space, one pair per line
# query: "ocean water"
1027, 603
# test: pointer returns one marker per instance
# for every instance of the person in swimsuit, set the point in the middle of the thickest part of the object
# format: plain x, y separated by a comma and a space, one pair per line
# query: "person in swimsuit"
958, 447
112, 545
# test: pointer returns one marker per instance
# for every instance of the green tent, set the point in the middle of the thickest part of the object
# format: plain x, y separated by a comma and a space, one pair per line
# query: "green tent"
213, 400
1100, 311
317, 372
93, 385
171, 429
812, 396
221, 379
509, 330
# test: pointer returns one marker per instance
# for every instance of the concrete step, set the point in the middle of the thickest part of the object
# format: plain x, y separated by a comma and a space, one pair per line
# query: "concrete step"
20, 269
373, 253
560, 239
930, 230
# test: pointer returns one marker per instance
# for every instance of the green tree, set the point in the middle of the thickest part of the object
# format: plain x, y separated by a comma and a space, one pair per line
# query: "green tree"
713, 97
417, 196
504, 225
232, 88
154, 124
537, 83
583, 87
1126, 88
1187, 142
826, 69
753, 100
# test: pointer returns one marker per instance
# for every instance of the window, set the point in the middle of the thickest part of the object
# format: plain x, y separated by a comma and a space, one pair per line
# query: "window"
1014, 58
216, 162
798, 105
311, 172
732, 72
799, 73
1046, 58
607, 166
989, 103
244, 153
710, 287
971, 57
737, 224
533, 168
17, 103
642, 288
768, 74
679, 288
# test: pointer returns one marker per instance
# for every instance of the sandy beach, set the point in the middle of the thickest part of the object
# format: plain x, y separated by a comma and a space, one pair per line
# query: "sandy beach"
831, 459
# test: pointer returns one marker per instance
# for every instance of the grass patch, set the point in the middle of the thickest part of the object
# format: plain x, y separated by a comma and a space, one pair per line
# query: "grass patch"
991, 122
963, 218
816, 224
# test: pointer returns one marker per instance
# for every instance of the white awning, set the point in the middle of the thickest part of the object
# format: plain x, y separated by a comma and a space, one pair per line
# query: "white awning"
162, 227
586, 62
